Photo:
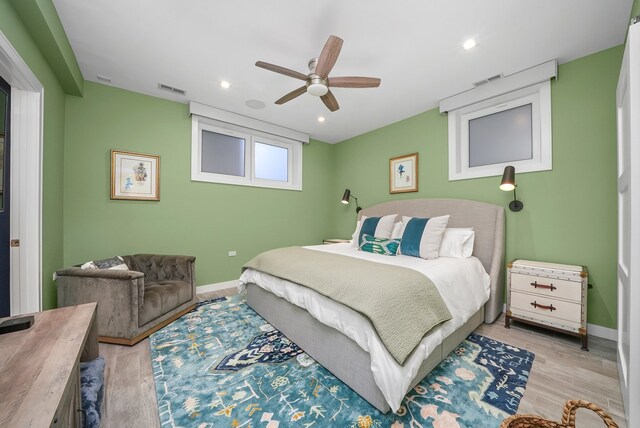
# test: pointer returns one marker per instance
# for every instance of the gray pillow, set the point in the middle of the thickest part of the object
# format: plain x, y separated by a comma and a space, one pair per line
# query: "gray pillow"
114, 263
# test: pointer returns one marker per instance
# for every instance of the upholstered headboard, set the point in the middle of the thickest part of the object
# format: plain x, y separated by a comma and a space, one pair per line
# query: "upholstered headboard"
487, 221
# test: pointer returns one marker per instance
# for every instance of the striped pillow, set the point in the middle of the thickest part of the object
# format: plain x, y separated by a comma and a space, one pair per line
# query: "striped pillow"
380, 227
421, 237
387, 247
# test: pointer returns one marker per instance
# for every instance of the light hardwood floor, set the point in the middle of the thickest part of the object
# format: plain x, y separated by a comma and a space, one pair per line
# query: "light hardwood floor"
561, 371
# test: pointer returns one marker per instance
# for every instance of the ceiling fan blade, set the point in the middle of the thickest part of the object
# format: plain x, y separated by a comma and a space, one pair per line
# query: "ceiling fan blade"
354, 82
281, 70
330, 101
328, 56
293, 94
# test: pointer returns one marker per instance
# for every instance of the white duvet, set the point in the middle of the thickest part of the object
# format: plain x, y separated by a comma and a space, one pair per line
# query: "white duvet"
462, 283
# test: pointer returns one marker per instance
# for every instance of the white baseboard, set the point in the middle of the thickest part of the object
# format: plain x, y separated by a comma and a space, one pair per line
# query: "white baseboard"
593, 329
201, 289
603, 332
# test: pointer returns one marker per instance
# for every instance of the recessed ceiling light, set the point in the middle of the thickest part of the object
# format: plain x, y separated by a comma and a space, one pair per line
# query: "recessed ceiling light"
255, 104
469, 44
225, 84
321, 119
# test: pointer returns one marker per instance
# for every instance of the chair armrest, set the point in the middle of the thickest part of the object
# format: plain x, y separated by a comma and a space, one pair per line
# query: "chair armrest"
119, 294
101, 273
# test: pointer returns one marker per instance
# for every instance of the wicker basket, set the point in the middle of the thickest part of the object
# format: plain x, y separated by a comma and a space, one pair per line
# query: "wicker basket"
568, 417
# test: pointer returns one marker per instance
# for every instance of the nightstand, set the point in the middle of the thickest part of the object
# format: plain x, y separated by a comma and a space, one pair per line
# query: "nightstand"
549, 295
335, 241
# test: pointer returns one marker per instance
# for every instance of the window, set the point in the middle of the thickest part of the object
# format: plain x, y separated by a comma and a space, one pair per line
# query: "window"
222, 154
271, 161
232, 154
502, 121
513, 142
511, 129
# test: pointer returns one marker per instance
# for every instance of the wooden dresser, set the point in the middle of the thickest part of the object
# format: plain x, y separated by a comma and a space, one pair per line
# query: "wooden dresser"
550, 295
39, 368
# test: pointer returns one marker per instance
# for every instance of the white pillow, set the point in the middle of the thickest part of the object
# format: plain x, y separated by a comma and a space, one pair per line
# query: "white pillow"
354, 237
383, 228
397, 231
457, 242
421, 237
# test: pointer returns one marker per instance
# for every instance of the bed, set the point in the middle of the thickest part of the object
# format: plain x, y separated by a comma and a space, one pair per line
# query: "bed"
350, 357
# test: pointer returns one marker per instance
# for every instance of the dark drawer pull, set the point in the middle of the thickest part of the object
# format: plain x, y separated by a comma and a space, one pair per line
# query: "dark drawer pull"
538, 305
548, 287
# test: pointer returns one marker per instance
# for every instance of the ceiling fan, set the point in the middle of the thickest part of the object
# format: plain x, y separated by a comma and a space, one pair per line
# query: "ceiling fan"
318, 81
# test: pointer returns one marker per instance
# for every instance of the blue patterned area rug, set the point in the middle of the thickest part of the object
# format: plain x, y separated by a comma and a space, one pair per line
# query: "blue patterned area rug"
222, 365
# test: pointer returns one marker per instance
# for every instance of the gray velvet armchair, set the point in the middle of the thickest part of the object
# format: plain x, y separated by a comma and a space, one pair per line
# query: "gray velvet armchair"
133, 303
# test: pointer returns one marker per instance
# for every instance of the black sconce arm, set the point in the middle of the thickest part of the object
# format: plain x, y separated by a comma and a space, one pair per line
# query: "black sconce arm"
515, 205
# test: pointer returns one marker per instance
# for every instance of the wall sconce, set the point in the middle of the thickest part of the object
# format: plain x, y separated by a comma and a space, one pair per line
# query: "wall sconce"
509, 183
345, 199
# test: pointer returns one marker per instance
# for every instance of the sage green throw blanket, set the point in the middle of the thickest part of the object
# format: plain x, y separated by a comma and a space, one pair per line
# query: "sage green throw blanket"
402, 304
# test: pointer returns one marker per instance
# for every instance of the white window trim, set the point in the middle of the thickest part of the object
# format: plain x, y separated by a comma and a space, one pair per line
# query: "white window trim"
234, 119
251, 136
539, 96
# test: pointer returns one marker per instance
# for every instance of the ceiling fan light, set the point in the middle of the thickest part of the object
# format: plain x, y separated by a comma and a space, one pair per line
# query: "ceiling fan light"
317, 89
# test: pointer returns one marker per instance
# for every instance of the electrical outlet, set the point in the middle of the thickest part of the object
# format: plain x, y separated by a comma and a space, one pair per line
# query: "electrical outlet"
55, 276
232, 253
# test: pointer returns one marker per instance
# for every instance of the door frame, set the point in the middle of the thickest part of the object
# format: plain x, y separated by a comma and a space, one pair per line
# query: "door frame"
27, 107
628, 193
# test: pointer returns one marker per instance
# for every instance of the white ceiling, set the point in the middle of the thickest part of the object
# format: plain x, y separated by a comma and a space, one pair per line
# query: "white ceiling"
414, 46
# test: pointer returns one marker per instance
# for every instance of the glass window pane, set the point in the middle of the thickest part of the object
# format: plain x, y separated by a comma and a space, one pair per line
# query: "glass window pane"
222, 154
272, 162
501, 137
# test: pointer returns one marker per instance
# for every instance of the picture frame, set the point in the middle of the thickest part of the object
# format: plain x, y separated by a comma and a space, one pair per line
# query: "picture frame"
403, 174
135, 176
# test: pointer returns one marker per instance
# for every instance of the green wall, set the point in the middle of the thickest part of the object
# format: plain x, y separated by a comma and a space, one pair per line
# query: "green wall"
41, 20
569, 213
53, 142
635, 9
202, 219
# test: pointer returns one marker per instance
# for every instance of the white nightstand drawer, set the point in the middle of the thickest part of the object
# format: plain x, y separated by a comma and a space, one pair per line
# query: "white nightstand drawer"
547, 287
545, 308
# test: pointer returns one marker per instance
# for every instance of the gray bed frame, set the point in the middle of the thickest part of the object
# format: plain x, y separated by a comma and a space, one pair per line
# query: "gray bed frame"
341, 355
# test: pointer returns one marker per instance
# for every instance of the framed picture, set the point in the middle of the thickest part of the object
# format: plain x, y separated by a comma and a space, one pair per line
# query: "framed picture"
135, 176
403, 174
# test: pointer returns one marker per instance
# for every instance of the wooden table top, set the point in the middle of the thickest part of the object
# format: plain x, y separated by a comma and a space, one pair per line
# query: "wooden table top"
36, 364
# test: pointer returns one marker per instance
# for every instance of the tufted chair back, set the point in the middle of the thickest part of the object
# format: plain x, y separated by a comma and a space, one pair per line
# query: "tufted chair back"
162, 268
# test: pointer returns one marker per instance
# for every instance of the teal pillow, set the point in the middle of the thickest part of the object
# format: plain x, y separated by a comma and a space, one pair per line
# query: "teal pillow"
371, 244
